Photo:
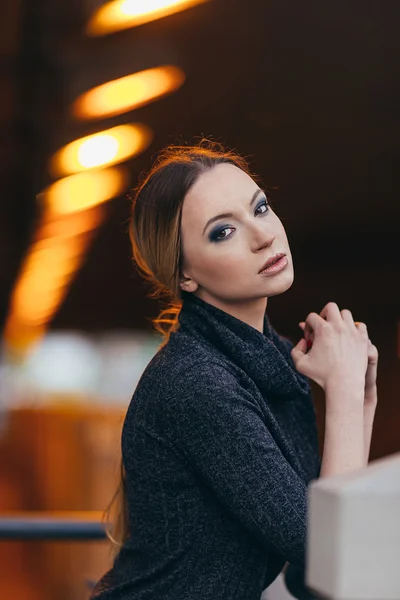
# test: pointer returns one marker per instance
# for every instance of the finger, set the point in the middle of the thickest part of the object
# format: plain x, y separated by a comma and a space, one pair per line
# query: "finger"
347, 316
331, 312
360, 326
373, 354
308, 334
299, 350
313, 322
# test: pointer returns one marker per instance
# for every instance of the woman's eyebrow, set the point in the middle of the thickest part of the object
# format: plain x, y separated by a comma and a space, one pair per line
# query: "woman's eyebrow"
226, 215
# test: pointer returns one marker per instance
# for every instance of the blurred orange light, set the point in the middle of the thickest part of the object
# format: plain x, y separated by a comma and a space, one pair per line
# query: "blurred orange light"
42, 284
81, 191
101, 149
75, 224
52, 260
123, 14
44, 272
34, 303
127, 93
21, 337
57, 252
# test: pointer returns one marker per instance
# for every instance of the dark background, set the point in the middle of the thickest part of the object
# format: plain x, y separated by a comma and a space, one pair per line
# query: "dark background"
309, 91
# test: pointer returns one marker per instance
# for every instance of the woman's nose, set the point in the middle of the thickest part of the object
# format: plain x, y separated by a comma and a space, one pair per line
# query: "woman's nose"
261, 237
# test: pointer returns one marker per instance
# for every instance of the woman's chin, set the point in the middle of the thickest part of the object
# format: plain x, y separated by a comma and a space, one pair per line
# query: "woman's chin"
281, 284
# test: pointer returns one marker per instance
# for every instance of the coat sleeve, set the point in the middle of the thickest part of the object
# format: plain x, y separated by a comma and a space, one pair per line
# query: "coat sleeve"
219, 427
294, 580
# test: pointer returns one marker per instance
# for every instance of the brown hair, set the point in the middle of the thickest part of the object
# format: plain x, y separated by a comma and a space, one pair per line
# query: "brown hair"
155, 236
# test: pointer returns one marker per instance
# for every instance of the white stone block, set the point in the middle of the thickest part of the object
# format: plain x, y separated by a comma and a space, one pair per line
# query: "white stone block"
353, 549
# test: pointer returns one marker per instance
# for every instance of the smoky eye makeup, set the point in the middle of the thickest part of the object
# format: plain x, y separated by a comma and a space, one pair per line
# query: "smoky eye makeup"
218, 233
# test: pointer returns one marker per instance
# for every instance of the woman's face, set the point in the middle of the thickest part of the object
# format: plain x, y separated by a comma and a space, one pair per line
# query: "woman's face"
222, 257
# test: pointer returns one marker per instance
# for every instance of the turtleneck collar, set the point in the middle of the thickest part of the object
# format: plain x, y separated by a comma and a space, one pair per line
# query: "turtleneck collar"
265, 357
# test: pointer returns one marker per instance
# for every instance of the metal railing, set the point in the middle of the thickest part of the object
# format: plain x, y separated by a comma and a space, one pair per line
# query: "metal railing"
52, 526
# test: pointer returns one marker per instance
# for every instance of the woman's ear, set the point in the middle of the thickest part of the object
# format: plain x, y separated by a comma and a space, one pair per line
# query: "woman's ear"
187, 284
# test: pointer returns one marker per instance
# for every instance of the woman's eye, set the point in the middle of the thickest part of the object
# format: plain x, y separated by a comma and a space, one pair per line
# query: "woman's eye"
265, 205
218, 234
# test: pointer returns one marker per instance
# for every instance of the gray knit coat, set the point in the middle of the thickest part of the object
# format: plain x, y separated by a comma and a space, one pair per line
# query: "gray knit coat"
219, 445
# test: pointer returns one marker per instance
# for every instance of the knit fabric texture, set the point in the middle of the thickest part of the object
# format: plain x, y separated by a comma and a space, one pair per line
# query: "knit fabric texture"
219, 445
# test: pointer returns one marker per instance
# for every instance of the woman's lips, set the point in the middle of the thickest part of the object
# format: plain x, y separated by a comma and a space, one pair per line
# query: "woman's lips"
276, 267
272, 260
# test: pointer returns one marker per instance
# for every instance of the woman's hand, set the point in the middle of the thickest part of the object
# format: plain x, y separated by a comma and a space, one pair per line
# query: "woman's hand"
370, 388
333, 349
370, 391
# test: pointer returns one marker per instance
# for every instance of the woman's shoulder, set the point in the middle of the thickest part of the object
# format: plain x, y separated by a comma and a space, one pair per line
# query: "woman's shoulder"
181, 359
184, 355
183, 365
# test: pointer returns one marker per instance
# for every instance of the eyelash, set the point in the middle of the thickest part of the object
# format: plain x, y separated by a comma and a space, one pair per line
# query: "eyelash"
214, 234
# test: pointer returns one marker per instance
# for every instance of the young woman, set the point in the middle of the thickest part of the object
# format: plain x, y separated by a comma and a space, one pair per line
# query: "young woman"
220, 441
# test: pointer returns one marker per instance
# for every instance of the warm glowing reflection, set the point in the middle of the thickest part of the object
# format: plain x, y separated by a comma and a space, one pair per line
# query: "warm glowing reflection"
81, 191
67, 226
44, 272
44, 308
101, 149
57, 252
20, 337
42, 284
59, 258
128, 93
122, 14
